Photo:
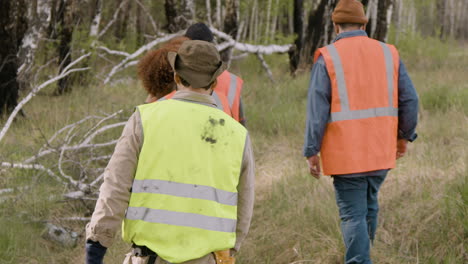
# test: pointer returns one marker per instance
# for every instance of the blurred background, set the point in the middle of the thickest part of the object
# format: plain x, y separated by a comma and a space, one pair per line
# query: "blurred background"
68, 84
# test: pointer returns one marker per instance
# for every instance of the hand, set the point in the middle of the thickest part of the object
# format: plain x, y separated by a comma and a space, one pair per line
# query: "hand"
401, 148
94, 252
314, 166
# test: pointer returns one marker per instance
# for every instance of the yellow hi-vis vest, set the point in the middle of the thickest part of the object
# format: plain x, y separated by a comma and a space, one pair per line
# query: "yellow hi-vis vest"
184, 196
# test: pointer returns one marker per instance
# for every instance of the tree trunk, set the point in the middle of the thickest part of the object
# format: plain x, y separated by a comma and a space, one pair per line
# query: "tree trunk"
319, 28
94, 30
122, 23
219, 22
37, 24
208, 12
267, 27
65, 33
139, 27
383, 20
231, 25
298, 22
171, 15
372, 13
274, 23
187, 8
13, 25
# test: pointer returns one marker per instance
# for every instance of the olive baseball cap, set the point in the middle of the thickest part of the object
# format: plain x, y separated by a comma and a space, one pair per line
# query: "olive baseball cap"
198, 62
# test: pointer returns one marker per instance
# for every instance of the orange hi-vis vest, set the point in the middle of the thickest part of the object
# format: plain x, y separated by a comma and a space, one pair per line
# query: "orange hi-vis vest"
231, 86
361, 134
226, 94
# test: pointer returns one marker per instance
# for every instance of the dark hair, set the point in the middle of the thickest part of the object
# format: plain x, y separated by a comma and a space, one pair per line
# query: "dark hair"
349, 25
199, 31
187, 84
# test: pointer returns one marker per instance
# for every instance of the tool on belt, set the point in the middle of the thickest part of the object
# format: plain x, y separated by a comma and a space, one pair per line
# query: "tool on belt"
224, 257
143, 251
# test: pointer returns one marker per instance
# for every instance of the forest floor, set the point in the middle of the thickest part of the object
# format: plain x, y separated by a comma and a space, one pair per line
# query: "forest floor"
423, 215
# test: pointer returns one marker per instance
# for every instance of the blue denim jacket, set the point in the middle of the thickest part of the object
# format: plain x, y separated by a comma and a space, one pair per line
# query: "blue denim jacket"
319, 98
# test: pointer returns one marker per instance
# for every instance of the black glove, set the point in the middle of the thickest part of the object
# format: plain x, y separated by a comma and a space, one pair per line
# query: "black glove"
94, 252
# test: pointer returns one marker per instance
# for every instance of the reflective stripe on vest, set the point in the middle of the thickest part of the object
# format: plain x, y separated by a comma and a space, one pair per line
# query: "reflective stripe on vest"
346, 113
185, 190
182, 219
183, 203
362, 129
230, 85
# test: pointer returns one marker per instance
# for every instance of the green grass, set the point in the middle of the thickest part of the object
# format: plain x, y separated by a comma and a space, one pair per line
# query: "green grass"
423, 202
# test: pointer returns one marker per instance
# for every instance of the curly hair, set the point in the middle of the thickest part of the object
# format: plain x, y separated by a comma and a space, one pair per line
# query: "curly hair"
154, 69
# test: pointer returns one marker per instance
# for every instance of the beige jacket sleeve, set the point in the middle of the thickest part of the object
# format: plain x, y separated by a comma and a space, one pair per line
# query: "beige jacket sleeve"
114, 193
246, 193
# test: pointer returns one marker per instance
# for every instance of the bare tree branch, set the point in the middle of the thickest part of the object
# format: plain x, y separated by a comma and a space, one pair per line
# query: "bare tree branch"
65, 72
114, 18
114, 52
244, 47
266, 67
32, 167
137, 53
148, 14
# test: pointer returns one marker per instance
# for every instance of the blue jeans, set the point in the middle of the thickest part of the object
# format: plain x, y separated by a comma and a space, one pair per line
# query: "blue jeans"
356, 198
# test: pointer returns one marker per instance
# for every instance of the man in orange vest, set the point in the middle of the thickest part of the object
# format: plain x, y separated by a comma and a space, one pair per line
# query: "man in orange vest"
227, 93
362, 110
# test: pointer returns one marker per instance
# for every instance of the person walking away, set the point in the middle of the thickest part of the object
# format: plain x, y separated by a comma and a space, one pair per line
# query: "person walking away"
361, 112
227, 92
181, 176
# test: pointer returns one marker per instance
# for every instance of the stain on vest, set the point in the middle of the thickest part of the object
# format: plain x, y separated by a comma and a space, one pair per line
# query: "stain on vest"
208, 134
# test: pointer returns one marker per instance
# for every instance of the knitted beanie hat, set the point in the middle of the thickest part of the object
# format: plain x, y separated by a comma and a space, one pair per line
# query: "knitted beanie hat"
349, 11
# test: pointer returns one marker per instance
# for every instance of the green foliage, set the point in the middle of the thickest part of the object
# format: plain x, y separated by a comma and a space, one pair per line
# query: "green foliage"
444, 98
416, 49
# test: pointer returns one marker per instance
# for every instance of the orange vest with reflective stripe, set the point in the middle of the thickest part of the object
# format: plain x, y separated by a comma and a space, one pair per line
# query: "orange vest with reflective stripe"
231, 86
361, 134
226, 94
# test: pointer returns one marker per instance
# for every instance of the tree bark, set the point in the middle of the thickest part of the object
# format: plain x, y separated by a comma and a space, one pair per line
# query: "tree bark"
298, 22
65, 19
383, 20
139, 26
231, 24
94, 30
122, 23
219, 23
208, 12
39, 11
171, 16
13, 25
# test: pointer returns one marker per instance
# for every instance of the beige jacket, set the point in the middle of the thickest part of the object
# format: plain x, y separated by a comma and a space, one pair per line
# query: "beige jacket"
119, 174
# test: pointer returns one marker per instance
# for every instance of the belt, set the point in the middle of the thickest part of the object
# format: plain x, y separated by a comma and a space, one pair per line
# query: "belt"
143, 251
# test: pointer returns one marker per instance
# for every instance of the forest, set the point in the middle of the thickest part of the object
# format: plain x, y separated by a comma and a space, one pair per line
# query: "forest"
68, 84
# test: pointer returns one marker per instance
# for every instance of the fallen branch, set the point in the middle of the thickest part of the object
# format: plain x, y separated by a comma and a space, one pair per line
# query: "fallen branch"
114, 52
32, 167
137, 53
244, 47
65, 72
266, 67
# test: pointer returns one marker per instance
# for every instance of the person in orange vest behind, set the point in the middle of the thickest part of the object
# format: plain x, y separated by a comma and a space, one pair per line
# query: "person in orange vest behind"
227, 92
362, 110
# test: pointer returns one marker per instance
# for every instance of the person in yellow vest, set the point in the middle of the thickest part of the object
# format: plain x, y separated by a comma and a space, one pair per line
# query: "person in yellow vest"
181, 177
362, 110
